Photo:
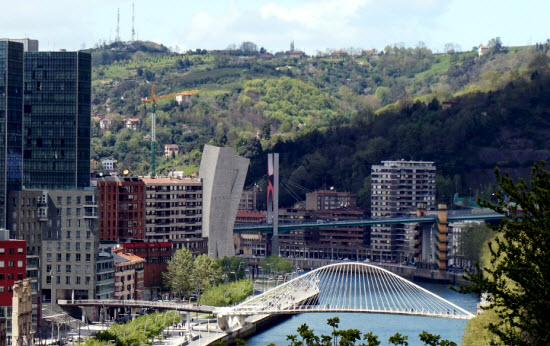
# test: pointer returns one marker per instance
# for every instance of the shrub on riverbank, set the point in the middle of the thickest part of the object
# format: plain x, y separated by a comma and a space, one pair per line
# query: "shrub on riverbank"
227, 294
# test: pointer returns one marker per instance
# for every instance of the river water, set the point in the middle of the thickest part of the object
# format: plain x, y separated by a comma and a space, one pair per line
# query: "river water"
380, 324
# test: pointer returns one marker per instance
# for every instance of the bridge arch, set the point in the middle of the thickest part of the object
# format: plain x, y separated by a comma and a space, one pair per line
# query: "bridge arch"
348, 287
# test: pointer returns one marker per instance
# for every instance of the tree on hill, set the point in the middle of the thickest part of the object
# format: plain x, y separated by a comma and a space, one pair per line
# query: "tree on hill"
517, 280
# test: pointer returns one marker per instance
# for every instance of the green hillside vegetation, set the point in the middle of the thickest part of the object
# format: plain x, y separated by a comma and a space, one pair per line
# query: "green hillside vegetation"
331, 118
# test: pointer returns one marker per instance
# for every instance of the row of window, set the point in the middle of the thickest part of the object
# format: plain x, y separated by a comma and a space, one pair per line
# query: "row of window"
11, 276
78, 280
68, 256
11, 251
11, 264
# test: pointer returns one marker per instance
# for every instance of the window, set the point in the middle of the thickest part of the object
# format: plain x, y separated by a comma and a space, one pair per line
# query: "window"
87, 280
59, 199
49, 268
67, 223
58, 280
67, 280
69, 200
88, 257
1, 264
77, 246
67, 257
77, 234
78, 257
48, 279
20, 250
77, 211
10, 264
2, 251
49, 257
77, 268
88, 234
78, 200
58, 268
68, 234
78, 280
1, 289
68, 246
69, 211
19, 276
88, 270
20, 264
49, 246
58, 246
58, 257
88, 246
68, 268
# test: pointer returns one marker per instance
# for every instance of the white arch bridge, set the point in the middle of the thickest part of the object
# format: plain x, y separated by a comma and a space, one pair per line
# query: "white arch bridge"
343, 287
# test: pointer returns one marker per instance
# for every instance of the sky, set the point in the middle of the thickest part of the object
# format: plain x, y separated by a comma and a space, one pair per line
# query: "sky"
314, 25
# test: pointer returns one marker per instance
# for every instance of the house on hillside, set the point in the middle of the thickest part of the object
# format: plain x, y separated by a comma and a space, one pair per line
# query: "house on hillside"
105, 124
108, 164
297, 53
482, 50
266, 56
183, 98
339, 54
369, 52
132, 123
170, 149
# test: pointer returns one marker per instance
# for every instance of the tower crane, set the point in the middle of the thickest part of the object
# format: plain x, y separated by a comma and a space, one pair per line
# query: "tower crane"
153, 100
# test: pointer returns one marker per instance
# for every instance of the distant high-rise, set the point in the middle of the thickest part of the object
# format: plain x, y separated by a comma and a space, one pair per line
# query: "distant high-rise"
11, 121
57, 106
397, 188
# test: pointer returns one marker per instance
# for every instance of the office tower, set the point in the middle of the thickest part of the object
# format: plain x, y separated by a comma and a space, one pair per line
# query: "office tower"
121, 208
397, 188
57, 120
11, 121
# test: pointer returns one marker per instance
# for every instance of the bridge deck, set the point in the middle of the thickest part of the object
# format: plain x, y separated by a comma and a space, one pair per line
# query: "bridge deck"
138, 304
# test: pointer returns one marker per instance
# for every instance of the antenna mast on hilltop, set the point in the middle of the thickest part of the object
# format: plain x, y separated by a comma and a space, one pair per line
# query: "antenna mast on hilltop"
133, 31
117, 37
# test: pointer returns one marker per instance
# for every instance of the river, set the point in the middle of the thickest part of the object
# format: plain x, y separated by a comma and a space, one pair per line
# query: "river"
380, 324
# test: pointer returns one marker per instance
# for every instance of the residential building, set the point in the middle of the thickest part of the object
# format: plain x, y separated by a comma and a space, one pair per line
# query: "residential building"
370, 52
397, 189
156, 256
222, 174
171, 150
57, 106
183, 99
248, 200
108, 164
70, 250
104, 275
11, 121
26, 223
132, 123
251, 243
129, 275
105, 123
330, 200
121, 208
481, 50
174, 208
12, 269
21, 317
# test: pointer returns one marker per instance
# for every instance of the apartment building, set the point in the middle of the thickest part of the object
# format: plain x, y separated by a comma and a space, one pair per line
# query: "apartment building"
121, 208
174, 213
397, 188
129, 275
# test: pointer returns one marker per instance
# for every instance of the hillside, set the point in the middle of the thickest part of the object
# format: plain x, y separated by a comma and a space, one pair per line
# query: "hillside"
330, 117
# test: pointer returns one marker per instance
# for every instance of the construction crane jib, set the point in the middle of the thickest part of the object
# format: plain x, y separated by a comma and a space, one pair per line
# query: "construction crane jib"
153, 100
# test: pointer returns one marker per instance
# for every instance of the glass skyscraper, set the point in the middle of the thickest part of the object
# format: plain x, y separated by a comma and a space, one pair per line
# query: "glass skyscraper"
11, 121
57, 106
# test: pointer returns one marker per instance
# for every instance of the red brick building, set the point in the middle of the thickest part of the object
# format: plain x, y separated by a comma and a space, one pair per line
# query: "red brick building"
156, 256
13, 254
121, 208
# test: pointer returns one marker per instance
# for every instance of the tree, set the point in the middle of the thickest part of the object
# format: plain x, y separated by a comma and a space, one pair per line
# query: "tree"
495, 44
517, 278
206, 272
276, 264
249, 47
398, 339
179, 273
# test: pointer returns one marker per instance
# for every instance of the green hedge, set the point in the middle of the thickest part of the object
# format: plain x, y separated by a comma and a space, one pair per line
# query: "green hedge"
227, 294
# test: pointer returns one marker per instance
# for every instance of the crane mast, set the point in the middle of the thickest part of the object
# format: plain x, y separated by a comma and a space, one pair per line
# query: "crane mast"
153, 100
